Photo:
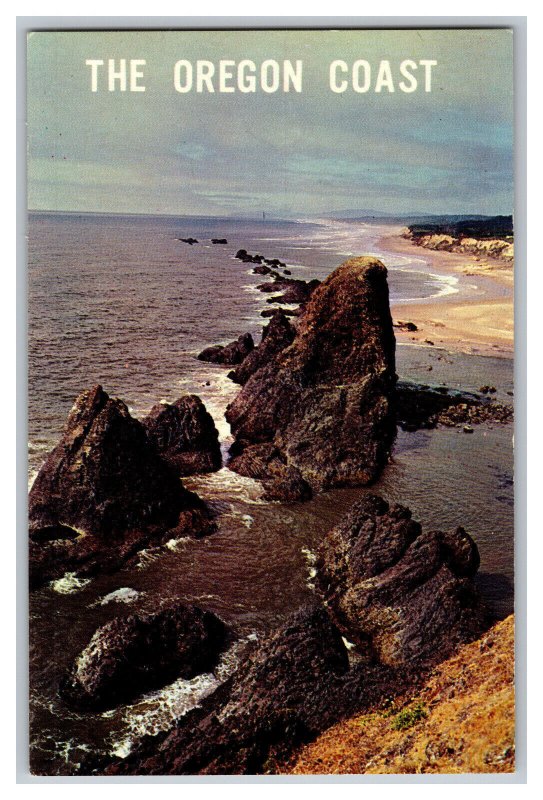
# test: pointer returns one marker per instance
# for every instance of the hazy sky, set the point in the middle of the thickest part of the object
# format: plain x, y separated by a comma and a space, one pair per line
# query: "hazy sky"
302, 154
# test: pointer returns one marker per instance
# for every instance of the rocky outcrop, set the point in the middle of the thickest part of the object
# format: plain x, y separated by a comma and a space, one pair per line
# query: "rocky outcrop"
282, 694
229, 354
136, 653
401, 595
326, 402
420, 406
185, 435
276, 336
103, 493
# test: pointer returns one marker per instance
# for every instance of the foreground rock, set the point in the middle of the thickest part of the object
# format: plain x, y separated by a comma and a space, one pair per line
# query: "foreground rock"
103, 493
325, 404
276, 336
283, 693
400, 594
136, 653
185, 435
230, 354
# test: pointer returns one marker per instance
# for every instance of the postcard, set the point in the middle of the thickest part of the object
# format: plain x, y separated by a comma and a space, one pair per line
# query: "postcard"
271, 397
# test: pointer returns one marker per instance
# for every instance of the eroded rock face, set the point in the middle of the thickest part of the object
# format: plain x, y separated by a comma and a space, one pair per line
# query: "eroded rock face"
326, 402
281, 694
135, 653
185, 435
278, 334
403, 596
103, 493
229, 354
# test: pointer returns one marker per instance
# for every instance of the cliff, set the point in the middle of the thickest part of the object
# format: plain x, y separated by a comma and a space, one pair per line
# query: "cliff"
463, 721
499, 247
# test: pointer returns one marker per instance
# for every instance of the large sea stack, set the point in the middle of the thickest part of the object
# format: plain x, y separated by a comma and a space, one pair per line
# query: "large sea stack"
323, 408
103, 493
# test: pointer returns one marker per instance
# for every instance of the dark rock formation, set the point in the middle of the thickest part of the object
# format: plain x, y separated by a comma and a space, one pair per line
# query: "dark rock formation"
185, 435
230, 354
282, 694
276, 336
326, 402
136, 653
190, 240
401, 595
406, 326
428, 406
219, 241
103, 493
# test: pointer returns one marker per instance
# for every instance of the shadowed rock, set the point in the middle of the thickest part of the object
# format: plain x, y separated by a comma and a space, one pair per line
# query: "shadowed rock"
230, 354
282, 694
326, 402
185, 435
276, 336
400, 594
107, 483
135, 653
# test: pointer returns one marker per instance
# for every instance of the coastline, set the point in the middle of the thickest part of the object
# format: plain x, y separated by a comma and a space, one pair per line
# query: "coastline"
476, 319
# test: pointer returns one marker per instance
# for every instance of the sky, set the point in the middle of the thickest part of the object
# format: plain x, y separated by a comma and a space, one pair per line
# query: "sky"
305, 155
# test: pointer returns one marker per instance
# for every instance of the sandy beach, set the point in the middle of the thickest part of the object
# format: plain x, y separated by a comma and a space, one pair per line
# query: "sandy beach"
477, 318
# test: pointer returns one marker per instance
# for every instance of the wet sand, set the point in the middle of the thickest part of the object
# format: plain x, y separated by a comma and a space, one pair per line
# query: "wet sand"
477, 318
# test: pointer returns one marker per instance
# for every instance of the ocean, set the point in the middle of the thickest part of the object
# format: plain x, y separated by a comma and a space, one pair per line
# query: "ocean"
121, 301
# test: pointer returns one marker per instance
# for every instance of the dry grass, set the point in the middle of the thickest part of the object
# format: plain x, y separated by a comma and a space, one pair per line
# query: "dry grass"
462, 722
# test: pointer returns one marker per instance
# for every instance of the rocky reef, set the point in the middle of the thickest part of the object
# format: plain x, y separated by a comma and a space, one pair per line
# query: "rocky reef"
103, 493
400, 594
323, 407
135, 653
185, 435
422, 406
230, 354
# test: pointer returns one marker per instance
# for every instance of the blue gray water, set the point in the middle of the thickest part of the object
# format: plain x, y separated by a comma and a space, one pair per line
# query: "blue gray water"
120, 301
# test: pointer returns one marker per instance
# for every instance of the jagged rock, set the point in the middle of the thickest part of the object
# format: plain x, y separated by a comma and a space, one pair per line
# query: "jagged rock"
262, 269
326, 402
282, 694
106, 483
185, 435
401, 595
136, 653
276, 336
231, 354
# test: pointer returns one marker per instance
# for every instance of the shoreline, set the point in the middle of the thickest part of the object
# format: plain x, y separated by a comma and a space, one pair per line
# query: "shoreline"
478, 319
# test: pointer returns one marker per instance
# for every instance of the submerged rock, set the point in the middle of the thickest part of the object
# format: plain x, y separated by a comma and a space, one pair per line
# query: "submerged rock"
135, 653
106, 482
401, 595
326, 402
282, 694
230, 354
185, 435
276, 336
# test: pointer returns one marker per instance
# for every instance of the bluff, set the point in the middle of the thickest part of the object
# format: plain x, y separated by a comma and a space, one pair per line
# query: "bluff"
320, 413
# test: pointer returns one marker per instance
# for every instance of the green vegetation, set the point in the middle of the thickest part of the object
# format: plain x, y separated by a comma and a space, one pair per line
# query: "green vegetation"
409, 717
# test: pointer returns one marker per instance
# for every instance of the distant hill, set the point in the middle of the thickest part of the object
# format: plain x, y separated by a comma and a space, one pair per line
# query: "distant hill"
500, 227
